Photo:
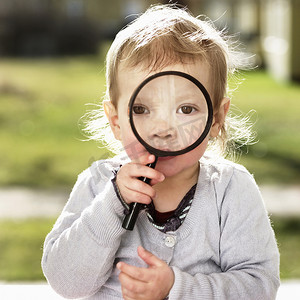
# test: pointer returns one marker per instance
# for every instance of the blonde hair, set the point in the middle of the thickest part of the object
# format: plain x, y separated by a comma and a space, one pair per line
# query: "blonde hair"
166, 35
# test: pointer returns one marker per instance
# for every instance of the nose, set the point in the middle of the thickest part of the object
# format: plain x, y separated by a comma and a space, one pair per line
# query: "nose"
163, 135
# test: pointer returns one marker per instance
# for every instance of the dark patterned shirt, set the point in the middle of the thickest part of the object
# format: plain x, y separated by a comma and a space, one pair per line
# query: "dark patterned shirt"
176, 218
164, 222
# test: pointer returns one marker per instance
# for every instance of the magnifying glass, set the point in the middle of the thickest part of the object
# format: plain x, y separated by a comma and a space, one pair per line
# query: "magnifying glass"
170, 114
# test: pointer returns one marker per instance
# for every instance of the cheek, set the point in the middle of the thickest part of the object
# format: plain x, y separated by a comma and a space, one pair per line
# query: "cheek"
198, 152
131, 145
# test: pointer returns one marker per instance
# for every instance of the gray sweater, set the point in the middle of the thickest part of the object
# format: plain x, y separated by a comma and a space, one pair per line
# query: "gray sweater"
225, 248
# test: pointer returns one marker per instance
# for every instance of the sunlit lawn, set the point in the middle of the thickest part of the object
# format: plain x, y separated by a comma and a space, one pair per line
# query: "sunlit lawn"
42, 102
276, 156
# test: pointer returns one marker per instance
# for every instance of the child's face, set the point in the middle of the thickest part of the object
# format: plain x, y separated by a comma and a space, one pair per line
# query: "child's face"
128, 80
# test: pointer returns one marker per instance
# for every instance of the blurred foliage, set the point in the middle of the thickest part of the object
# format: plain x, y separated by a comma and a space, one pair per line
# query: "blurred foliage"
42, 101
287, 232
21, 245
274, 107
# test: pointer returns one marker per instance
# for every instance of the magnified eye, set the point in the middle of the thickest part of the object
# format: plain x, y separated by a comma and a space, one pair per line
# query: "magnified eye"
140, 109
186, 109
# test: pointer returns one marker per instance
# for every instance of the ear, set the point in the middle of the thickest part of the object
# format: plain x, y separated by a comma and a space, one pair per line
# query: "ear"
112, 116
219, 117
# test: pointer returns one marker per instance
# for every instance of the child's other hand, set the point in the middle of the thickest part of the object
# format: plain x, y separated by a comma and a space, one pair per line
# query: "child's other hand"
152, 283
131, 188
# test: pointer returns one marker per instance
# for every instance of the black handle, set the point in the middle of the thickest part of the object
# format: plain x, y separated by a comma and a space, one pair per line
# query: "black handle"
130, 219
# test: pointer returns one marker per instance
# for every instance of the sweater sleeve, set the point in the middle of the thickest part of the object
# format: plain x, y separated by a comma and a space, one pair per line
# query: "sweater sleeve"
249, 258
79, 252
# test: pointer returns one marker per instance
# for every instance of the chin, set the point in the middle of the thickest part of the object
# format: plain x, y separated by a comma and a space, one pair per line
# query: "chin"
171, 168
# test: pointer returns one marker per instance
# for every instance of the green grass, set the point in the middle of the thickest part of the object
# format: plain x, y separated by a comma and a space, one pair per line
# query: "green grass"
276, 156
287, 233
42, 101
21, 245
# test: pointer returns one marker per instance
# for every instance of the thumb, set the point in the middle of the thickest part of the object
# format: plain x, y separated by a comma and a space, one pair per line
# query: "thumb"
149, 258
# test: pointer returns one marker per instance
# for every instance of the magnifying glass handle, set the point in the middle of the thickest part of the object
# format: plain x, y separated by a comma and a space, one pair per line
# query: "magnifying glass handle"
130, 219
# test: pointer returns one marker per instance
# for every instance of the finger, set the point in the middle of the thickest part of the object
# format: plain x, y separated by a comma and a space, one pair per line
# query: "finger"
154, 182
133, 196
134, 190
137, 170
144, 159
140, 186
132, 285
140, 274
128, 295
149, 258
134, 171
125, 294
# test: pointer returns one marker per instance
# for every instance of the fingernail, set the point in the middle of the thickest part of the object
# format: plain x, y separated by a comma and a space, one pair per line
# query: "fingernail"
151, 157
119, 265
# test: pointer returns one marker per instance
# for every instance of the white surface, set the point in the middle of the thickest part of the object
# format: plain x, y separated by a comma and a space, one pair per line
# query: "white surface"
21, 203
27, 292
289, 290
282, 200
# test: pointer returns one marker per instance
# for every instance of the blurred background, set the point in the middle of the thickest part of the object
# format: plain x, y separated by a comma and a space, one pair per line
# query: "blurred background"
52, 63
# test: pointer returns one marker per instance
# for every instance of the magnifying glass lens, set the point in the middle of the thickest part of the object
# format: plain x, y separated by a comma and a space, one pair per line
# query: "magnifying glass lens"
169, 113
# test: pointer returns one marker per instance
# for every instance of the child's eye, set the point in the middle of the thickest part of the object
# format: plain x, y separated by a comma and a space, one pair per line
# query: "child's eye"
186, 109
140, 109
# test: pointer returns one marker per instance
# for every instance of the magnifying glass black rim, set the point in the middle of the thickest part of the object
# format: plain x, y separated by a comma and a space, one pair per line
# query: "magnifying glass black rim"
162, 153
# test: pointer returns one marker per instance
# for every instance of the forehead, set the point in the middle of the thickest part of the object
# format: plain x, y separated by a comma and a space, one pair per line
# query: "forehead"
128, 78
168, 87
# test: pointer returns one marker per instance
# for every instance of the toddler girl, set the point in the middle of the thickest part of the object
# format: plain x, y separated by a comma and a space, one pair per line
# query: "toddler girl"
204, 232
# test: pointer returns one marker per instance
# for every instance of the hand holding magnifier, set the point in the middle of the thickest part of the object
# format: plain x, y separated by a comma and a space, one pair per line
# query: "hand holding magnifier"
170, 113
